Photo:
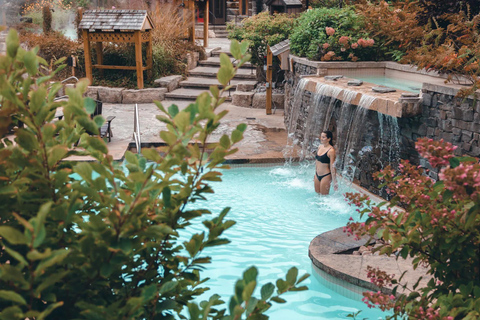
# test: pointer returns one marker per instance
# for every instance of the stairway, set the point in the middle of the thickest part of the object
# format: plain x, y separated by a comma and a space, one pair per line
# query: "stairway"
219, 30
205, 75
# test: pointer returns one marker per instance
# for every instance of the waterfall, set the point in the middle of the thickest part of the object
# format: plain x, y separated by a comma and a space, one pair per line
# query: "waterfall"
389, 142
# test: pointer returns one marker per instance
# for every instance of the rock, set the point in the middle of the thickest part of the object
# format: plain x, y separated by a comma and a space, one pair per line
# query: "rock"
409, 95
242, 99
260, 100
92, 92
245, 86
170, 82
383, 89
355, 82
366, 253
110, 95
192, 60
199, 34
333, 78
143, 95
356, 253
362, 249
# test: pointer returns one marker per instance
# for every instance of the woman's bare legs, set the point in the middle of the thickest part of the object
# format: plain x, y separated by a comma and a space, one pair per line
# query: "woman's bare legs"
325, 184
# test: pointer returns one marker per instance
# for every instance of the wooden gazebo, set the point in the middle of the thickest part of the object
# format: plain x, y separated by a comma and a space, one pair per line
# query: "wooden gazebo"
131, 26
284, 6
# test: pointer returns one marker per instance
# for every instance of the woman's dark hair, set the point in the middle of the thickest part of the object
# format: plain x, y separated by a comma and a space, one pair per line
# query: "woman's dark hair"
329, 135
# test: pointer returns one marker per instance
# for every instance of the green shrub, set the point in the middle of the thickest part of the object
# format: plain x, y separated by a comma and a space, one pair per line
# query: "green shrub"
332, 34
98, 240
261, 30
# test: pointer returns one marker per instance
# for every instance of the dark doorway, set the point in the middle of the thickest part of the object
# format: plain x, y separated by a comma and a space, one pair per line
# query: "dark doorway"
218, 11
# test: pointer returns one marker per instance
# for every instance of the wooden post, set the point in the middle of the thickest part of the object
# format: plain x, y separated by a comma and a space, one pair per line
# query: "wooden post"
269, 80
205, 24
99, 49
88, 56
138, 59
149, 56
191, 9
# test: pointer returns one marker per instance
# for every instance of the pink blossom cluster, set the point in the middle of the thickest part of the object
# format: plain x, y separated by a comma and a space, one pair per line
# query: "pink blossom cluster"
330, 31
365, 43
438, 153
378, 299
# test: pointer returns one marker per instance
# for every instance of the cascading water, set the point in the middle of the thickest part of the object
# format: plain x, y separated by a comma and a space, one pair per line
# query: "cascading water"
388, 138
325, 95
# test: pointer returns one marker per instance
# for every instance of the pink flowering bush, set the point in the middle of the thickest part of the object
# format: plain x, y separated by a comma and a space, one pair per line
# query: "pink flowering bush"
439, 227
339, 30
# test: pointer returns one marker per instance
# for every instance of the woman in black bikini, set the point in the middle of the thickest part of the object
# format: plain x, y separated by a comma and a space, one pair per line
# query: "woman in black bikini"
324, 164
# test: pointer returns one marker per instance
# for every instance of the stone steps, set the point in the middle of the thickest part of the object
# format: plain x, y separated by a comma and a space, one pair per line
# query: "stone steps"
211, 72
191, 94
205, 83
215, 62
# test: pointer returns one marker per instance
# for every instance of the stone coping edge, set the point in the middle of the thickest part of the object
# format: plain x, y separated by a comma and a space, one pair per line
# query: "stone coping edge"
321, 246
273, 161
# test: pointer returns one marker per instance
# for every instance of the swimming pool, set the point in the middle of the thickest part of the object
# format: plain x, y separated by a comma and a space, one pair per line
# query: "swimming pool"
278, 214
396, 83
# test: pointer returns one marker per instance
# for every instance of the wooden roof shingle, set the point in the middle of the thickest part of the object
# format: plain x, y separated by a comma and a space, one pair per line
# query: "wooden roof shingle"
116, 20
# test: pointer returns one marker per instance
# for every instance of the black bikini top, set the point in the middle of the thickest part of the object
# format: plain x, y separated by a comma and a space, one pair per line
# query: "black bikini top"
323, 158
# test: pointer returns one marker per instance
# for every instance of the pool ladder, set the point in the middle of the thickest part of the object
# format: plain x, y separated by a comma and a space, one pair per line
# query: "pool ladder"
136, 129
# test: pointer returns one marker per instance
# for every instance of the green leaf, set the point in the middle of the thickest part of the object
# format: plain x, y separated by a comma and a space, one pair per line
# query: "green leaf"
168, 286
12, 296
27, 140
96, 143
17, 256
267, 291
50, 280
9, 273
173, 110
235, 50
225, 141
10, 313
55, 154
12, 235
182, 120
292, 275
250, 275
454, 162
31, 62
237, 136
56, 258
242, 127
278, 300
49, 310
244, 46
89, 105
36, 255
13, 43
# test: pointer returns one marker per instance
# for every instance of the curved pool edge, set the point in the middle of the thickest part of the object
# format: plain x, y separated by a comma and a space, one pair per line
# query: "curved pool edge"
331, 253
325, 251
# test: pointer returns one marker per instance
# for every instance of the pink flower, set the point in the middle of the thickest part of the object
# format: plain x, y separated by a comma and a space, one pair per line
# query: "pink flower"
343, 40
361, 42
325, 45
354, 45
329, 31
370, 42
113, 7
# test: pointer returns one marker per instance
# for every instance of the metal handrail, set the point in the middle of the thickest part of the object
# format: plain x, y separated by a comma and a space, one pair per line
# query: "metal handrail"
70, 78
136, 129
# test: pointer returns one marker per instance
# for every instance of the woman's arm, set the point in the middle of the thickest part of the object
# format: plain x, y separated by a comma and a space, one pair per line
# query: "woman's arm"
332, 156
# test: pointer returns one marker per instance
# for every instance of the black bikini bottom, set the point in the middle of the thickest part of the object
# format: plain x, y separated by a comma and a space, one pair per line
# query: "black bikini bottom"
321, 177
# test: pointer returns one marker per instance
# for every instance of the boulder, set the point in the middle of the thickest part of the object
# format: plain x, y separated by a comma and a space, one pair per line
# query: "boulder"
383, 89
333, 78
199, 34
192, 60
260, 100
245, 86
110, 95
242, 99
170, 82
355, 82
143, 95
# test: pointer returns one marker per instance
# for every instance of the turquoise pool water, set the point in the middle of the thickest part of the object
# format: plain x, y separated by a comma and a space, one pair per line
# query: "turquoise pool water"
278, 213
401, 84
